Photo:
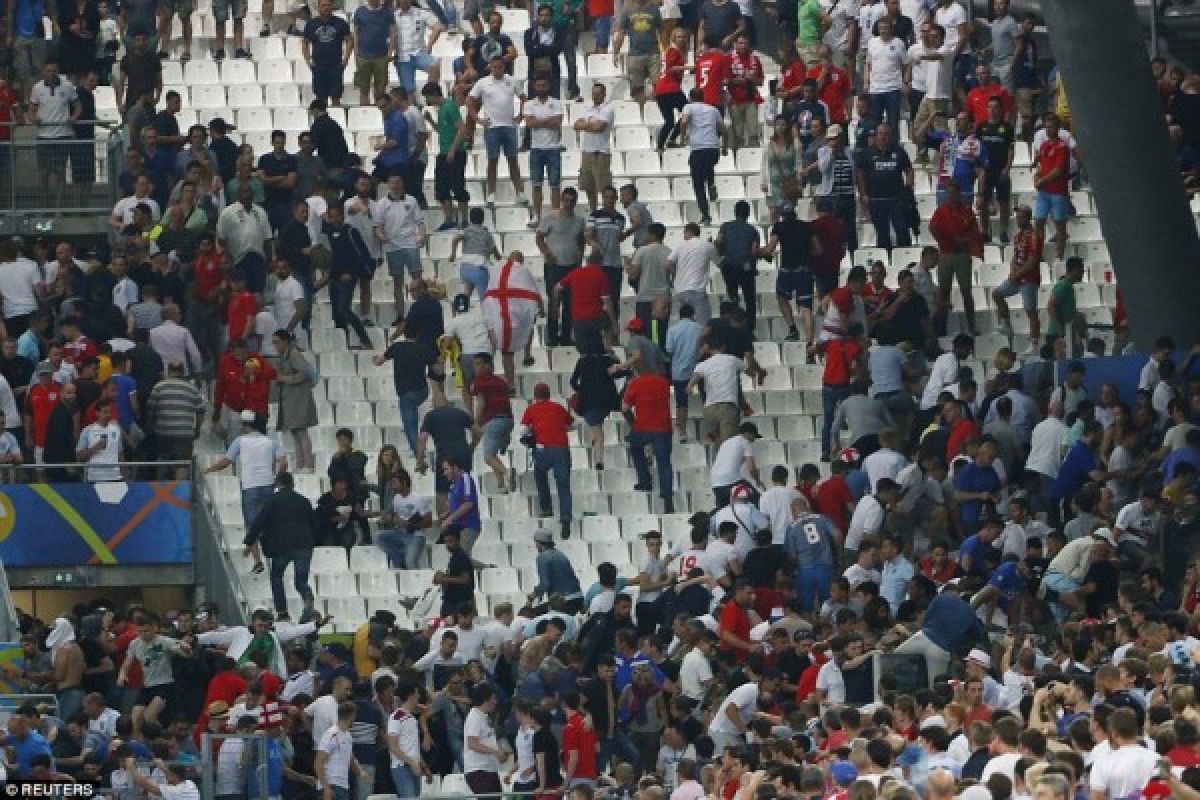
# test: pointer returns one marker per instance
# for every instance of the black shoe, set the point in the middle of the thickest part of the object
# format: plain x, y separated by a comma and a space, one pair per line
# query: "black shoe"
668, 505
793, 335
219, 55
545, 514
241, 52
1051, 596
565, 531
264, 32
163, 55
642, 487
712, 191
705, 221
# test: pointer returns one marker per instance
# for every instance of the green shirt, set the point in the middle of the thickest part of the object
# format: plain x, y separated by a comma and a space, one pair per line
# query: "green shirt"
809, 19
1064, 306
256, 188
565, 13
448, 120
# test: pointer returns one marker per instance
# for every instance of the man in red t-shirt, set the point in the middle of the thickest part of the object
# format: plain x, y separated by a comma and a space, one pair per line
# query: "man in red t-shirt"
735, 622
493, 414
547, 423
841, 358
828, 229
40, 400
580, 741
744, 77
834, 498
876, 293
593, 318
959, 238
209, 283
985, 89
647, 407
959, 429
242, 313
77, 347
1052, 177
712, 73
833, 85
1024, 276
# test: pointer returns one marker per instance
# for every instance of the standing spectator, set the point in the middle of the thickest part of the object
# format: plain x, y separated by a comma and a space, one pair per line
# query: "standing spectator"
959, 239
593, 315
596, 397
961, 160
668, 89
327, 139
400, 226
560, 238
984, 92
745, 77
1026, 75
997, 137
887, 74
468, 328
738, 243
53, 106
243, 230
543, 44
543, 117
327, 46
843, 361
175, 411
641, 22
278, 169
720, 23
798, 246
418, 144
222, 9
493, 95
285, 532
417, 30
482, 753
733, 464
19, 277
605, 230
683, 348
297, 409
690, 260
449, 171
259, 459
1004, 36
101, 443
493, 415
834, 84
335, 753
26, 39
935, 59
647, 407
649, 271
350, 262
546, 423
1052, 177
1063, 320
1024, 277
141, 74
173, 342
393, 150
376, 36
595, 127
838, 185
884, 175
410, 357
704, 128
406, 519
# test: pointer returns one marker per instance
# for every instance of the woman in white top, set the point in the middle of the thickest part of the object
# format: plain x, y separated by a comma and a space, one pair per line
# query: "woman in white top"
524, 777
481, 751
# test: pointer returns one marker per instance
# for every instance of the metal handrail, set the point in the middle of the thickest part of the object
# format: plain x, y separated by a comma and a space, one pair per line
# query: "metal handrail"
81, 464
10, 626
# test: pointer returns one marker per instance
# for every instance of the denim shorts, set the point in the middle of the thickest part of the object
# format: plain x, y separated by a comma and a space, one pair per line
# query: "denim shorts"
545, 164
798, 283
406, 71
1060, 583
1051, 206
400, 260
1028, 292
500, 139
602, 28
497, 433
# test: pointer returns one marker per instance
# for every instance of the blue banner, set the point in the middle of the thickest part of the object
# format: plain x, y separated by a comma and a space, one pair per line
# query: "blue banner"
78, 524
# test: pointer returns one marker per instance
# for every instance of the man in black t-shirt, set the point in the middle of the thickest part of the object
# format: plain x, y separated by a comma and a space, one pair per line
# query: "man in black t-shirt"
447, 425
904, 317
278, 170
328, 44
794, 238
884, 172
996, 135
458, 579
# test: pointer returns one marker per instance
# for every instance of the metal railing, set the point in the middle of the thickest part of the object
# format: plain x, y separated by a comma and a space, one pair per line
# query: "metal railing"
214, 569
10, 626
76, 471
41, 178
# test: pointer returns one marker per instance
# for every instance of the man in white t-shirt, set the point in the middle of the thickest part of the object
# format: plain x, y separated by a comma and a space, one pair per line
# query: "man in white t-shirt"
402, 536
1129, 767
469, 329
721, 554
720, 375
735, 458
18, 278
335, 755
1137, 524
52, 101
100, 443
324, 710
695, 673
690, 261
291, 303
543, 115
944, 373
259, 459
886, 74
404, 743
865, 568
494, 95
704, 127
776, 503
869, 514
739, 709
176, 786
122, 213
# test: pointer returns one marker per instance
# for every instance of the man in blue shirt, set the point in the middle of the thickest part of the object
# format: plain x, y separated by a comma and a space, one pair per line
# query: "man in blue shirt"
948, 622
28, 42
393, 153
1188, 454
973, 553
897, 572
977, 483
464, 501
683, 348
1080, 465
26, 742
1006, 589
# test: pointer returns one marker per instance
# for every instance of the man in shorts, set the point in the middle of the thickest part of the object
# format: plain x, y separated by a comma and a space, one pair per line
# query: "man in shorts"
1052, 178
400, 225
493, 95
52, 101
375, 29
1023, 276
640, 21
595, 125
167, 9
493, 412
222, 9
795, 278
450, 167
327, 47
416, 31
27, 42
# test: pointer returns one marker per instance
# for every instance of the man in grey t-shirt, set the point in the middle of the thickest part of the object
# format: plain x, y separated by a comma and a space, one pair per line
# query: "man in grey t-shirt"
640, 21
560, 238
650, 271
637, 214
1004, 34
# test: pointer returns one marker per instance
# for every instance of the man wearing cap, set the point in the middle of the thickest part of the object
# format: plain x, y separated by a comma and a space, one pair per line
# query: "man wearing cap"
644, 355
259, 459
745, 516
556, 575
647, 407
545, 424
720, 376
734, 459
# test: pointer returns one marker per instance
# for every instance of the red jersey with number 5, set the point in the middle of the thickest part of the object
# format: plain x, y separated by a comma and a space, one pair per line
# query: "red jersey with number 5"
712, 70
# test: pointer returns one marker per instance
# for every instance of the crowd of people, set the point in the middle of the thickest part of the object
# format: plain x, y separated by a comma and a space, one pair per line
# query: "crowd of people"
984, 587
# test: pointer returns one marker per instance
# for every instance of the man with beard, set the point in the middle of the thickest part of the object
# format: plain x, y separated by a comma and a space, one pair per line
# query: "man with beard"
62, 432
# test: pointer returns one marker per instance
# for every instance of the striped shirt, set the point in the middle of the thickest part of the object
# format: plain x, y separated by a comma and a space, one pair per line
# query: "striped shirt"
412, 31
174, 405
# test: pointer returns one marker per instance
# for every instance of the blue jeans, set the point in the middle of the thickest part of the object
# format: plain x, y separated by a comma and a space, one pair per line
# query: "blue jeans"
830, 397
340, 793
410, 404
619, 745
812, 585
300, 560
886, 214
661, 442
403, 548
253, 501
475, 276
407, 784
887, 104
558, 461
70, 702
